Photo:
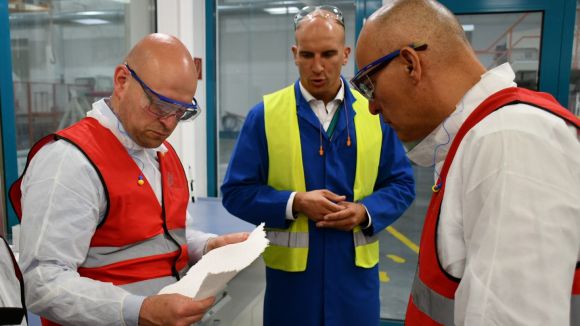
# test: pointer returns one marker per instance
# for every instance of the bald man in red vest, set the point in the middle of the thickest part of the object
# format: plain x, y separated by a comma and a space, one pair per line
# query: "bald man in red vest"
104, 202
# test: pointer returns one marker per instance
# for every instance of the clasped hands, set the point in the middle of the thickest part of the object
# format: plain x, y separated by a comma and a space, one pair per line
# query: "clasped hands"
330, 210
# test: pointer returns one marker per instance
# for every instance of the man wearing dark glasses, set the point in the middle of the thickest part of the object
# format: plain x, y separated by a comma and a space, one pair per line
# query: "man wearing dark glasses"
326, 177
104, 202
501, 238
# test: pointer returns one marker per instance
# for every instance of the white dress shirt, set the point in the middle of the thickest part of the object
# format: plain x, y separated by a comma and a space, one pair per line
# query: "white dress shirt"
63, 201
324, 112
510, 218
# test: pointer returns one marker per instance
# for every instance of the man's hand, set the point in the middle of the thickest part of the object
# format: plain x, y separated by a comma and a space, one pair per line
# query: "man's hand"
172, 309
226, 239
351, 215
317, 203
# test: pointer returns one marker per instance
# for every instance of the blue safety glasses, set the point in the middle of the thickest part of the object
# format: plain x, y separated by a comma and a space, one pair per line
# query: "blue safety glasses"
362, 80
164, 107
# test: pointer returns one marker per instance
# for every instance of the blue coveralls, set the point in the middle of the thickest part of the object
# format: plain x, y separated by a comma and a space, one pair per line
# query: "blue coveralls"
332, 290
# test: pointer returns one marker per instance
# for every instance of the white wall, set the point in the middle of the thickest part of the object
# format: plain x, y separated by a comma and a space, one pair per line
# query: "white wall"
185, 19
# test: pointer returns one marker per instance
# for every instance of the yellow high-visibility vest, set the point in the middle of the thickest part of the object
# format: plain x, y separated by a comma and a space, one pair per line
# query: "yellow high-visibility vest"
288, 250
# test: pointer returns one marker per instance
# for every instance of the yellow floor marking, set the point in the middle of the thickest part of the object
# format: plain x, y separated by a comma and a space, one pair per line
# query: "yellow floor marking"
396, 258
401, 237
384, 277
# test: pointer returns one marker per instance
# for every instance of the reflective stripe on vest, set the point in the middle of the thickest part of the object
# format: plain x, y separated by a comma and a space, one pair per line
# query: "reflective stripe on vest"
433, 292
157, 245
288, 250
433, 304
126, 265
288, 239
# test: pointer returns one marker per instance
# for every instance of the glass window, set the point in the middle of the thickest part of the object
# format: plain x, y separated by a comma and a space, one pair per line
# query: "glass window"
574, 100
510, 37
64, 53
255, 58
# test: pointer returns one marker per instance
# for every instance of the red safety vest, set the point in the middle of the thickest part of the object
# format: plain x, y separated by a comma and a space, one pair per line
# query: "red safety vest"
138, 240
433, 292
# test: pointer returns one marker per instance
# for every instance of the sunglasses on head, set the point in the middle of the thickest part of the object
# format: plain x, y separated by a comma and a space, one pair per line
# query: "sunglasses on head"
325, 11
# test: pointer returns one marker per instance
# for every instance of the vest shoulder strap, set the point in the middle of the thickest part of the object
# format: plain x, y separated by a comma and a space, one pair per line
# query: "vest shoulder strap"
505, 97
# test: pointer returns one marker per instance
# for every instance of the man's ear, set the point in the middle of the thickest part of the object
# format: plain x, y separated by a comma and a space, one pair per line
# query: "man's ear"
121, 80
295, 52
346, 55
412, 62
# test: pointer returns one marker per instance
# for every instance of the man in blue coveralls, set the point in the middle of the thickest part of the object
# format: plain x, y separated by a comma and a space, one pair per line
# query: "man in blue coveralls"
325, 176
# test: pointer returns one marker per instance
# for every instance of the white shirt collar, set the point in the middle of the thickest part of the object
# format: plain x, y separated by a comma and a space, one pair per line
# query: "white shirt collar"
309, 98
107, 118
433, 149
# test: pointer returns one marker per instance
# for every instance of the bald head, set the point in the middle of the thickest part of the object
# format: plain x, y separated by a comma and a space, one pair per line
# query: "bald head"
163, 72
163, 62
401, 22
418, 89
